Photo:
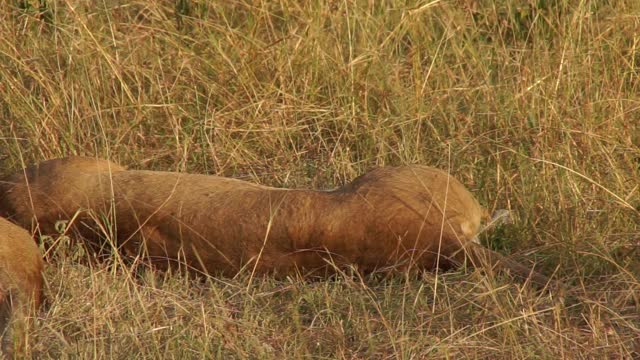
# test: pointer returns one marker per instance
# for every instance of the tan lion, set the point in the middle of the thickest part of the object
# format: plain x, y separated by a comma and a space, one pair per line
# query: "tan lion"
21, 268
391, 217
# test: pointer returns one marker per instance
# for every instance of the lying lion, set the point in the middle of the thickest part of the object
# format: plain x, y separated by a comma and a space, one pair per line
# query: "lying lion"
401, 217
21, 268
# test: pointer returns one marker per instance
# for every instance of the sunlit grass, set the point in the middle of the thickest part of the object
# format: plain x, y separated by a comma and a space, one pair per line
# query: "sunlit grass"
533, 105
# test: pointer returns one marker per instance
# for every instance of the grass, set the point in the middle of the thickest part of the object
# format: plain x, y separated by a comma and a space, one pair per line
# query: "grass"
533, 105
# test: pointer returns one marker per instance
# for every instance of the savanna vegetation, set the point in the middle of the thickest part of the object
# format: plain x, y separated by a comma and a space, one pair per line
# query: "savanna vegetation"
533, 104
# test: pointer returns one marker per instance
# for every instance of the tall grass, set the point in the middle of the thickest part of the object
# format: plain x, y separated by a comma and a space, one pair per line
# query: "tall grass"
534, 105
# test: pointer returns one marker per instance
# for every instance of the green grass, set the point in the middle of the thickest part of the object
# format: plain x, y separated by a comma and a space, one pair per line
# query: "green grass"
534, 105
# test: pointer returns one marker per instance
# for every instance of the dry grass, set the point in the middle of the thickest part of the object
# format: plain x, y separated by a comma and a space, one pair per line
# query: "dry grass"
534, 105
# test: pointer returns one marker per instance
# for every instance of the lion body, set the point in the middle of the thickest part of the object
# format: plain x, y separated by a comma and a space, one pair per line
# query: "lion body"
21, 267
402, 217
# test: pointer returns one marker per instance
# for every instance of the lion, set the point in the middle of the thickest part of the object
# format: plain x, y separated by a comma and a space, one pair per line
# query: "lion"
21, 267
402, 217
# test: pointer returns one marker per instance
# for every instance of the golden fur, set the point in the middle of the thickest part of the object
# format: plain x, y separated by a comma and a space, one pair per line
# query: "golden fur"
53, 190
408, 216
21, 268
